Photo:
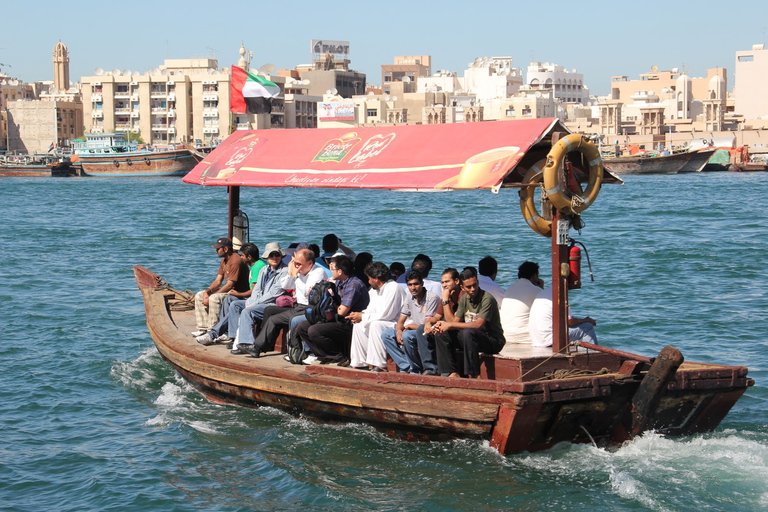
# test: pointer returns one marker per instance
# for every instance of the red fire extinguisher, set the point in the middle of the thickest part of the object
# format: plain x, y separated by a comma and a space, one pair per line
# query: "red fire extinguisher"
574, 255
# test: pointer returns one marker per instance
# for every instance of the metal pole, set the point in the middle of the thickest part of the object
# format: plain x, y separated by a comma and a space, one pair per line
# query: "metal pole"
560, 271
234, 206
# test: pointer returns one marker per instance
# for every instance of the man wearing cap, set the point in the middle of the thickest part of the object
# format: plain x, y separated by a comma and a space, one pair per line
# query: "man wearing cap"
232, 274
268, 288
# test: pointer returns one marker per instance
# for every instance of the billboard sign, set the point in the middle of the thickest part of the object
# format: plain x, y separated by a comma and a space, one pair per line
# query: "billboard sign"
318, 46
336, 111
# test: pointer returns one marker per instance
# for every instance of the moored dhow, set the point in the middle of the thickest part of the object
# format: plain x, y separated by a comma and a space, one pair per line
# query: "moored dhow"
109, 155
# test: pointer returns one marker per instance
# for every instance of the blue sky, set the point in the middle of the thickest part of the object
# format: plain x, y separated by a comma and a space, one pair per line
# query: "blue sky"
597, 38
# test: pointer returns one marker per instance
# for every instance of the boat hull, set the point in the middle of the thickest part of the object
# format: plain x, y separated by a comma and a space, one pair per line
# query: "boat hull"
154, 163
666, 164
35, 170
510, 405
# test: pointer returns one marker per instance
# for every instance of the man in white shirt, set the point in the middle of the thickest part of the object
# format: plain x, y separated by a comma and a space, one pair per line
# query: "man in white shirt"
301, 276
386, 302
422, 264
487, 268
540, 323
517, 301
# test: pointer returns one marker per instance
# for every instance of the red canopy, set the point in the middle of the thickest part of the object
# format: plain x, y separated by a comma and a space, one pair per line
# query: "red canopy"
458, 155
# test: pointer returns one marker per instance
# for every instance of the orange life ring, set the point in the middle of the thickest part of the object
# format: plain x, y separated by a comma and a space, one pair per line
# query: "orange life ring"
555, 182
531, 215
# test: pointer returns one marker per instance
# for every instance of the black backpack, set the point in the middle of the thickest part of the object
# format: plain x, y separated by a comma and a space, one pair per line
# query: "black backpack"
323, 301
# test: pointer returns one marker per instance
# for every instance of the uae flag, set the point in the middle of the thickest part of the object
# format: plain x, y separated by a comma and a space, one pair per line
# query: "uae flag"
251, 94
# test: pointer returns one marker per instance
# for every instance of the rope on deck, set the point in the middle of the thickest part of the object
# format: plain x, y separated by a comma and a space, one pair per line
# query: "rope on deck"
563, 374
183, 301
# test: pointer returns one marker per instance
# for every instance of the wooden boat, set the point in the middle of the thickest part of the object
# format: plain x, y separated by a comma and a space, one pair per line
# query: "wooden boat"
674, 163
110, 155
526, 400
36, 166
174, 162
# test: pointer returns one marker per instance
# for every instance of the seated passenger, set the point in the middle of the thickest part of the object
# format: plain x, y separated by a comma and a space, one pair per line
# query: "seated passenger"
474, 328
301, 276
361, 262
423, 264
330, 341
320, 262
401, 341
487, 268
397, 270
332, 246
386, 302
540, 323
516, 305
250, 256
250, 313
425, 336
232, 275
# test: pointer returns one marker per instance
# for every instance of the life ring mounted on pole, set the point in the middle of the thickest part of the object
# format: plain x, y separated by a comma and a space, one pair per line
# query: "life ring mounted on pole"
556, 182
531, 181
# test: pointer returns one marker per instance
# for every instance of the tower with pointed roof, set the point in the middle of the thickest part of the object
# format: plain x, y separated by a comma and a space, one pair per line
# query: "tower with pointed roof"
61, 67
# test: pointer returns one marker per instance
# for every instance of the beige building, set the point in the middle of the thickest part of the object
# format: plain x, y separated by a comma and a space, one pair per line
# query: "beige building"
406, 68
42, 113
751, 71
184, 99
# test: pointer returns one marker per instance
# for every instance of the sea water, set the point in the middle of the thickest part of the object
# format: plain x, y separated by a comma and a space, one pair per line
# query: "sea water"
91, 418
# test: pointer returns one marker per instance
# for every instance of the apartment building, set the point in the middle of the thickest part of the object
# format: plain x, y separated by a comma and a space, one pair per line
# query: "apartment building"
406, 68
751, 71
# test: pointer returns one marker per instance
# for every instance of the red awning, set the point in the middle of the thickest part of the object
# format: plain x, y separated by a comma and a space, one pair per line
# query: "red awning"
459, 155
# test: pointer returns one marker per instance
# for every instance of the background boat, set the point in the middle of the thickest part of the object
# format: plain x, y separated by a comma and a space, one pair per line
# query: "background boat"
111, 155
36, 166
171, 162
648, 163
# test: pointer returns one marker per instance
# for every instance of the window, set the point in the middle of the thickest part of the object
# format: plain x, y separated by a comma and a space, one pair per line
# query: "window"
746, 58
372, 112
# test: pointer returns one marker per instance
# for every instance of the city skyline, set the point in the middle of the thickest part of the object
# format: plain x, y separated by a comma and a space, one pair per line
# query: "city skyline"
603, 40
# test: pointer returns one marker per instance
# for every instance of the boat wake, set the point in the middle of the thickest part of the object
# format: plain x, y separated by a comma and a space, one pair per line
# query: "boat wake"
728, 468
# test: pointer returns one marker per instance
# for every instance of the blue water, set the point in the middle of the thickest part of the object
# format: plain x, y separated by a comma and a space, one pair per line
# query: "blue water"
91, 418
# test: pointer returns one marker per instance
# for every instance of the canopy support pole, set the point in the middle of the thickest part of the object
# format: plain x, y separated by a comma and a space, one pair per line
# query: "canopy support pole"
234, 206
560, 270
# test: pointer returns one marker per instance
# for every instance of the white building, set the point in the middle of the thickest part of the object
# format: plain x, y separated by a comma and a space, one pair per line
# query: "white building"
751, 70
566, 86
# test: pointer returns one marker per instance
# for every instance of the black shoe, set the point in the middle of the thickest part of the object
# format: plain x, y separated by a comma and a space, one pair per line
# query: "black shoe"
429, 372
251, 349
230, 345
343, 363
239, 351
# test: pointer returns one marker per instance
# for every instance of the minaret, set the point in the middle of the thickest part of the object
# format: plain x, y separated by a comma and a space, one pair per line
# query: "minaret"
61, 67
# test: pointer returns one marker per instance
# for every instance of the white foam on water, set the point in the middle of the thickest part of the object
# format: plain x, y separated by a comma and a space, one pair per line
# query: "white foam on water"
139, 373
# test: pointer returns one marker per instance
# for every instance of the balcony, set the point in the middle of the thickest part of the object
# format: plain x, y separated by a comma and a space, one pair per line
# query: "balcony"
210, 129
122, 110
210, 96
160, 110
158, 94
123, 126
122, 95
159, 127
210, 112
